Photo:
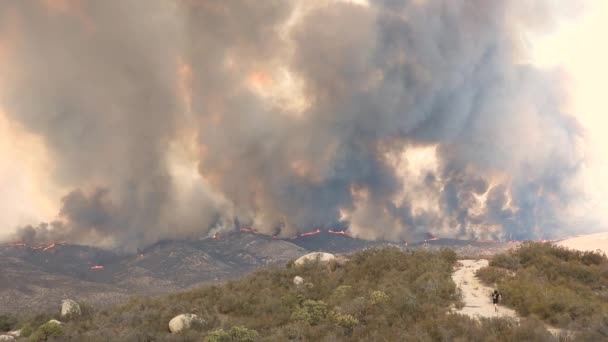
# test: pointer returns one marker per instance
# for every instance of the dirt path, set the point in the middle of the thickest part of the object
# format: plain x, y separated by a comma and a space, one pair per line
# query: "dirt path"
475, 295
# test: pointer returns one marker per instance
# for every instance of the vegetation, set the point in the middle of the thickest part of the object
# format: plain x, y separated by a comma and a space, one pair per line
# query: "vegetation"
379, 295
47, 331
562, 287
235, 334
7, 322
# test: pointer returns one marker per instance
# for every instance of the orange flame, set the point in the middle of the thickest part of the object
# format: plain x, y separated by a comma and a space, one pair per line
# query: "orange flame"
315, 232
16, 244
339, 232
249, 230
49, 247
216, 236
96, 267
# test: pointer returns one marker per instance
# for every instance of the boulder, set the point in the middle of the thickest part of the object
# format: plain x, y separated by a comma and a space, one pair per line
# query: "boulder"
70, 308
7, 338
297, 280
316, 256
182, 322
15, 333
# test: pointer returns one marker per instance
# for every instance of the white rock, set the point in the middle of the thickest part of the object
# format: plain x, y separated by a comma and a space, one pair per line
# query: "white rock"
54, 321
183, 321
7, 338
320, 256
15, 333
69, 307
297, 280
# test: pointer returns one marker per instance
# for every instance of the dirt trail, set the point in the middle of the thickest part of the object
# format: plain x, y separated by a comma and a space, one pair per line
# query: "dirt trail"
475, 295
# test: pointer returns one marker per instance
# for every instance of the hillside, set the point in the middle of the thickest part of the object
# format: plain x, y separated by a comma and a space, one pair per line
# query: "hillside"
589, 242
378, 295
38, 277
567, 289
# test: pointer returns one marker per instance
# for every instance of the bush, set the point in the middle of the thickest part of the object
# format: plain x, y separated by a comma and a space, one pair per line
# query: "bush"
345, 321
235, 334
311, 312
47, 330
7, 322
378, 297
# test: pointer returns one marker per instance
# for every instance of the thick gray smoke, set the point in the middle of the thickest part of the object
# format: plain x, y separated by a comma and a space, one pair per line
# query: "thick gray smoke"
296, 114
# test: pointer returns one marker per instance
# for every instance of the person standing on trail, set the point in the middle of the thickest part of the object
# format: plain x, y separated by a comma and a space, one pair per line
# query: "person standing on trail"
495, 298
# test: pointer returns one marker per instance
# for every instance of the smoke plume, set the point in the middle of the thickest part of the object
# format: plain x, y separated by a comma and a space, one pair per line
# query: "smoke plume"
174, 119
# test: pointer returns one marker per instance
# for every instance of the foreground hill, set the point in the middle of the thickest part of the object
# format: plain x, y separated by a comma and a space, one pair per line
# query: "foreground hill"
377, 295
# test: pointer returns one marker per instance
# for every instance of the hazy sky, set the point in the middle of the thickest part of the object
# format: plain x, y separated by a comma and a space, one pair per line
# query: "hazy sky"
575, 46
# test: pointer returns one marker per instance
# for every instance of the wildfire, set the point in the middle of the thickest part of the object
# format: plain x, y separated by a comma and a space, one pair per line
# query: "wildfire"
249, 230
216, 236
96, 267
315, 232
47, 247
339, 232
16, 244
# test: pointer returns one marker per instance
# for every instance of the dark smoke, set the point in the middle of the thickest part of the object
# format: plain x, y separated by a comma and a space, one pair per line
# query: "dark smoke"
100, 82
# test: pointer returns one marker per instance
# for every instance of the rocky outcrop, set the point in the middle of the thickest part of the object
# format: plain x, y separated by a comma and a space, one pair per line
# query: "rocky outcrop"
70, 308
316, 256
297, 280
183, 322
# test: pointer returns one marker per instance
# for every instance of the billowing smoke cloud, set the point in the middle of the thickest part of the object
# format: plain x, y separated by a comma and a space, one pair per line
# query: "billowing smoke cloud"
177, 118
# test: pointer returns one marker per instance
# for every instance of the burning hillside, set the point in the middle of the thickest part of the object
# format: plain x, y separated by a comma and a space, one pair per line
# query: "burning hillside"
42, 248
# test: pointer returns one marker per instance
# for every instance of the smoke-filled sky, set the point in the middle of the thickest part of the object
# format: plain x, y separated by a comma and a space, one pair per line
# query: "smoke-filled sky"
125, 122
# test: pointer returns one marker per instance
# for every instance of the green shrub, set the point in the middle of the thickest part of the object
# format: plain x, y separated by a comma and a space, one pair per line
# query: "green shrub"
345, 321
27, 330
47, 330
242, 334
378, 297
311, 312
235, 334
7, 322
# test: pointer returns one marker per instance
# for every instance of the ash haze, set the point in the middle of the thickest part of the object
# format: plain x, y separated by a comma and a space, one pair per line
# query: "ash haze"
140, 120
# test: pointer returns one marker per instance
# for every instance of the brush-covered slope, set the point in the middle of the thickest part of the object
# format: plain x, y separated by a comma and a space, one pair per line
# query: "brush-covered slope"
378, 295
